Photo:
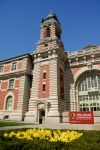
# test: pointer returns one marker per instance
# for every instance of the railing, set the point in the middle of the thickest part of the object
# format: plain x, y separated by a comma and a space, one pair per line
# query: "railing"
93, 89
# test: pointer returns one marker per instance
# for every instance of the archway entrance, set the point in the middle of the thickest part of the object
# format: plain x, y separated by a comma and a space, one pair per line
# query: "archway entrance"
41, 112
41, 116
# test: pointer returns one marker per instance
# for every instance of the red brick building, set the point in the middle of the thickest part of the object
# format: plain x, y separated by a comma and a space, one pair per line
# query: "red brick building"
45, 85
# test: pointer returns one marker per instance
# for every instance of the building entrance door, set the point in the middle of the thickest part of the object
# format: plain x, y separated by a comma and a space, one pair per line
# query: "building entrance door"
41, 116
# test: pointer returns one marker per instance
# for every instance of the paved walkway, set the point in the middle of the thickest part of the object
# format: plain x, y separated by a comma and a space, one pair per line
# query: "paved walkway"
57, 126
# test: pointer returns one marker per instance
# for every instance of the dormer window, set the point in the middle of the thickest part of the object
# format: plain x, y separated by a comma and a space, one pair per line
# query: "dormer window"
14, 66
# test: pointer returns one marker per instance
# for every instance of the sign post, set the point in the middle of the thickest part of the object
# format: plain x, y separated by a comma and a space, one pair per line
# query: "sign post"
77, 117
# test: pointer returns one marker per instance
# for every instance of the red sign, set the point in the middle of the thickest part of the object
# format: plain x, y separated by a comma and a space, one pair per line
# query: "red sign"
81, 117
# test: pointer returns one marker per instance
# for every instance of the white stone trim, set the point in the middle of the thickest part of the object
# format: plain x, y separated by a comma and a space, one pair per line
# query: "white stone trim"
85, 69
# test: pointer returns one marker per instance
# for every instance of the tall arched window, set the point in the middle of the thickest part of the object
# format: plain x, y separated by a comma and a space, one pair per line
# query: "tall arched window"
9, 103
47, 32
88, 92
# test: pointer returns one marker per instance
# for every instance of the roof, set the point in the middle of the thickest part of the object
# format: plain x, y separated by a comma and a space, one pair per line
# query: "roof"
50, 16
10, 59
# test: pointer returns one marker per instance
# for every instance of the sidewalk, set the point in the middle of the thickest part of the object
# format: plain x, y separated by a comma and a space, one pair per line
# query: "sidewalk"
57, 126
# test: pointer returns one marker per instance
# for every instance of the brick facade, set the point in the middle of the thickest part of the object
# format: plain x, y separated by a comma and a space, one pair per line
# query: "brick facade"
4, 91
46, 82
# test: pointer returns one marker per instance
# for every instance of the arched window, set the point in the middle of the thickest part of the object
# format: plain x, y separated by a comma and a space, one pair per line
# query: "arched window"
9, 103
47, 32
88, 92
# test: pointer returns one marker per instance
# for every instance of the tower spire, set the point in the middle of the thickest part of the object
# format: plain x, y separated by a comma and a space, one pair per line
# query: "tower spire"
52, 12
50, 32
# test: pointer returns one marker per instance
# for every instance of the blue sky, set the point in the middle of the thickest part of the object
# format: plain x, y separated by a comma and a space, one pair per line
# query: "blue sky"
20, 20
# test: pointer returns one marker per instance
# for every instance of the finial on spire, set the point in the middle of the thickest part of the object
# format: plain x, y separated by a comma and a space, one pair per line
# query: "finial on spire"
52, 12
51, 15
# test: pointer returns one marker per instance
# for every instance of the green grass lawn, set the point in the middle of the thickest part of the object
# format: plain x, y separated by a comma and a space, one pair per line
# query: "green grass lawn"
12, 123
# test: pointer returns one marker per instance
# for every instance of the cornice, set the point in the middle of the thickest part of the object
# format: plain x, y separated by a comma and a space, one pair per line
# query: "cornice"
85, 52
14, 58
90, 54
14, 74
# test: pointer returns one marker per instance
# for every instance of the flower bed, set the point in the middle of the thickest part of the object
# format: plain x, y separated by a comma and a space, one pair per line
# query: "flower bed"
50, 135
43, 139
